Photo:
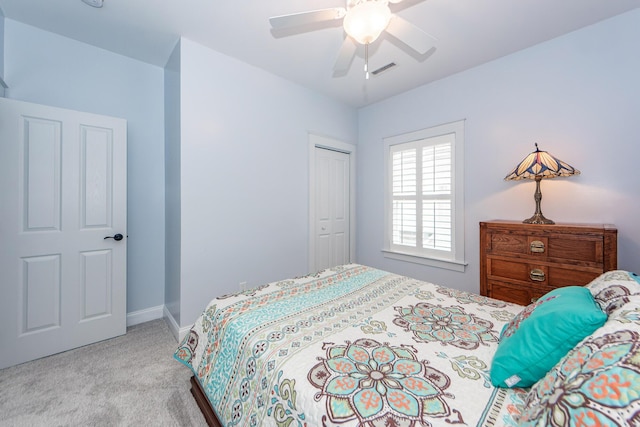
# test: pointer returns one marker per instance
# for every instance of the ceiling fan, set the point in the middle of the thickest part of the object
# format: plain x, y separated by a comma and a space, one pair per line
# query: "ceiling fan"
363, 21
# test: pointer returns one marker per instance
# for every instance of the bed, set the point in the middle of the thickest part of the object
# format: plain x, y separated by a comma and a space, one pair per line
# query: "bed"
358, 346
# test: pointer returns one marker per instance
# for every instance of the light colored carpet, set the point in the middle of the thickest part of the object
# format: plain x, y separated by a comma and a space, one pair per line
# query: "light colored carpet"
129, 380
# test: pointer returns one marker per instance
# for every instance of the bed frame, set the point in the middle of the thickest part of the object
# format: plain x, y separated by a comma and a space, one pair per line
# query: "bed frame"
203, 403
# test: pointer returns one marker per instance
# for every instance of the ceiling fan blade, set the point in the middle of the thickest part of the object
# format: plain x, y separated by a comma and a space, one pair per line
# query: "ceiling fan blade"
403, 4
345, 56
305, 18
410, 35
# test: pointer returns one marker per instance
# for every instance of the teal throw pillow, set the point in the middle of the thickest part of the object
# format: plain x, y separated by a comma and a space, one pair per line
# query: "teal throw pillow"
544, 332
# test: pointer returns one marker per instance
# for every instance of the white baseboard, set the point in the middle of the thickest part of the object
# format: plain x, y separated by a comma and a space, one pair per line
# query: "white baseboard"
178, 332
145, 315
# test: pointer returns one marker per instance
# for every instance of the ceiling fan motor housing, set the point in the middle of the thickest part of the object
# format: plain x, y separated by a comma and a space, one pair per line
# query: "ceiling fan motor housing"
352, 3
366, 20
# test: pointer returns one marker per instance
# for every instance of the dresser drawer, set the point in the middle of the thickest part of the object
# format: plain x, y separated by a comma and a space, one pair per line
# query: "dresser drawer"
540, 273
516, 294
584, 249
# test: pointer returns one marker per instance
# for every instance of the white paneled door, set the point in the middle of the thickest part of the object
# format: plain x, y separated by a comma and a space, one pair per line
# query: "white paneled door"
332, 193
62, 230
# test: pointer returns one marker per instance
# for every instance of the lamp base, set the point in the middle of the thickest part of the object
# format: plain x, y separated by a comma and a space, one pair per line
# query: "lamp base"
538, 218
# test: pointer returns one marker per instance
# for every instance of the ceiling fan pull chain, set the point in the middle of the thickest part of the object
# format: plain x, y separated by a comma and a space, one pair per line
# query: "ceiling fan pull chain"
366, 61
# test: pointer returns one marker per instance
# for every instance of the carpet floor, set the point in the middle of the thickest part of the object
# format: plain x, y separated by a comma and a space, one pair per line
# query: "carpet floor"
128, 380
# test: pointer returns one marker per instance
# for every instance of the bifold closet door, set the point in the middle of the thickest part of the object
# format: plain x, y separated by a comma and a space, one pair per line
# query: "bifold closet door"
332, 170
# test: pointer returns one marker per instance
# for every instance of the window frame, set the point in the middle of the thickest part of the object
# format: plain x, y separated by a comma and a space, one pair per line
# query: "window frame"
454, 259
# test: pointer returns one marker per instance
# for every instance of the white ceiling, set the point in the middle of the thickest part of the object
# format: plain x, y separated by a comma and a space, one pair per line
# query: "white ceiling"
469, 33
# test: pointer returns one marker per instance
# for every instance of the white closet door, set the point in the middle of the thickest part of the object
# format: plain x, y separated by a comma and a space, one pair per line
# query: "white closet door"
332, 208
63, 199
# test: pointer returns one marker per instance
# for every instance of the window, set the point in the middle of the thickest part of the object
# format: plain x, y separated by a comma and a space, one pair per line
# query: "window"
423, 196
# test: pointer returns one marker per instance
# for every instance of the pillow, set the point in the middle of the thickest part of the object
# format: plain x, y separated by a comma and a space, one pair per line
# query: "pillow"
598, 381
537, 338
612, 289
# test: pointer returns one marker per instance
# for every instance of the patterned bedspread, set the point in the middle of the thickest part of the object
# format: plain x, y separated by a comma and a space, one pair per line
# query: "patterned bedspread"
351, 346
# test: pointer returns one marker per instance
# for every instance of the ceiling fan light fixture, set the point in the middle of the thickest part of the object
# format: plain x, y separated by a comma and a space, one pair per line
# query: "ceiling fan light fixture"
366, 20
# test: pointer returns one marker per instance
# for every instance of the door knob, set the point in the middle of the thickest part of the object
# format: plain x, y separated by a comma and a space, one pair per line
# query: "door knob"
116, 237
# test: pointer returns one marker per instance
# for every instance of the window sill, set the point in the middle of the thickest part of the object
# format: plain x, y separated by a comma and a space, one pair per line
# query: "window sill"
447, 264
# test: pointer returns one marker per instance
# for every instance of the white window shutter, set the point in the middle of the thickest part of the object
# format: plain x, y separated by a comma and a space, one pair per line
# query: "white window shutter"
424, 192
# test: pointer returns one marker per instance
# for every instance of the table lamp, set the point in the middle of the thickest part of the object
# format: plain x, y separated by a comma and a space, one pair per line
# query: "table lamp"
536, 166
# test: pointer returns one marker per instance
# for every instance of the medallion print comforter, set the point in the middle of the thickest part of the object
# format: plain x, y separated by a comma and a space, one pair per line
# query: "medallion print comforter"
351, 346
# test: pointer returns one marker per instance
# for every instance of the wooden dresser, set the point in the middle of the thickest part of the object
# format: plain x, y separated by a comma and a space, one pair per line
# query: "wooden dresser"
522, 262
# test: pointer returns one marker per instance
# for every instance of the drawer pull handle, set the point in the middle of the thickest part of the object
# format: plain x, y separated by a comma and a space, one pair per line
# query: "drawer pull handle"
537, 275
537, 246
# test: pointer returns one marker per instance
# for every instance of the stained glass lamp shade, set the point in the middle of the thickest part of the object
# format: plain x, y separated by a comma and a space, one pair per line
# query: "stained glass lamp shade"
536, 166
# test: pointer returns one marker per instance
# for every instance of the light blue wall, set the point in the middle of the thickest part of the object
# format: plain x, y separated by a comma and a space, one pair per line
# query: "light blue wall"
245, 173
577, 96
172, 183
44, 68
1, 45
